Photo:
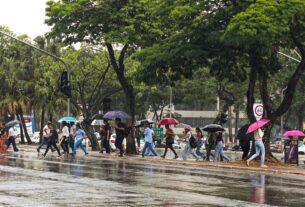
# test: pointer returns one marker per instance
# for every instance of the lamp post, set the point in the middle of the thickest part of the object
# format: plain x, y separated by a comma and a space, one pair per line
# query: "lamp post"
45, 53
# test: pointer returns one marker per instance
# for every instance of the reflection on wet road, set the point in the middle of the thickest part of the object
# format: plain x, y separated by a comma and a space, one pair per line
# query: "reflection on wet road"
26, 180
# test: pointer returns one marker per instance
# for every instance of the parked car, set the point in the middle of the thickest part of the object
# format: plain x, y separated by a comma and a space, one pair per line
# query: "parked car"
278, 145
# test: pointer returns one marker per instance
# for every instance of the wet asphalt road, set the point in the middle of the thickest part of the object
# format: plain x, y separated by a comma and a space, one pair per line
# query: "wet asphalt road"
26, 180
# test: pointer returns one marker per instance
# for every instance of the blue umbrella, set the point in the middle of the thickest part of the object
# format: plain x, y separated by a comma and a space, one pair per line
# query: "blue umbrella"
116, 114
67, 119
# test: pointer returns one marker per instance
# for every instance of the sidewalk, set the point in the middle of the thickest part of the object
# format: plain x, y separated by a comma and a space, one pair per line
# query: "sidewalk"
238, 165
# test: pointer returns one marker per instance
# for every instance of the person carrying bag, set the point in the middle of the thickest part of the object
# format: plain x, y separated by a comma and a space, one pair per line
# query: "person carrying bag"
169, 141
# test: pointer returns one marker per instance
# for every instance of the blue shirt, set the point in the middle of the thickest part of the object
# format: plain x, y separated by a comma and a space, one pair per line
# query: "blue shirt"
80, 134
148, 135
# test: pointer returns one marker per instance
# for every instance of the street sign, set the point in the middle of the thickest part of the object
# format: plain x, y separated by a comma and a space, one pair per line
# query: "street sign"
258, 110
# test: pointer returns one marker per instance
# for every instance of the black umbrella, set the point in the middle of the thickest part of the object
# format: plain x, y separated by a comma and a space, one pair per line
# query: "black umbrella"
213, 128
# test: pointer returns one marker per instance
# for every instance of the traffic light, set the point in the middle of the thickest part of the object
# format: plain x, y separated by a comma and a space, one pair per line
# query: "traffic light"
106, 105
64, 85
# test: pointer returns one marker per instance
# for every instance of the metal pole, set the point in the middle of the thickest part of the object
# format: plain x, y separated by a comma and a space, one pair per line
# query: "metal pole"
45, 53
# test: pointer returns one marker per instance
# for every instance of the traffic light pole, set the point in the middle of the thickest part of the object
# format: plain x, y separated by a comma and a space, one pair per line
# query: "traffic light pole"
45, 53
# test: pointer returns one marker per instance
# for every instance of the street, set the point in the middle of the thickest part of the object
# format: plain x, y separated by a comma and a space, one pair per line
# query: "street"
27, 180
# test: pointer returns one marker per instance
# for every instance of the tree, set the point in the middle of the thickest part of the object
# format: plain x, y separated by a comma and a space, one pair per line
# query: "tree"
111, 24
262, 30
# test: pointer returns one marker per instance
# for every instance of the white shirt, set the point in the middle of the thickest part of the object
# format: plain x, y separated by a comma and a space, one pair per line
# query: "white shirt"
65, 131
11, 132
46, 131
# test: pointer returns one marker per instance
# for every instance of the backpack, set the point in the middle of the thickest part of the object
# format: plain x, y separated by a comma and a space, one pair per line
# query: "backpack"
193, 142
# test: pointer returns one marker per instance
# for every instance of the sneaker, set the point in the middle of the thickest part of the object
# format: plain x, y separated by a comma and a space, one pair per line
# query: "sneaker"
163, 156
87, 153
176, 157
264, 166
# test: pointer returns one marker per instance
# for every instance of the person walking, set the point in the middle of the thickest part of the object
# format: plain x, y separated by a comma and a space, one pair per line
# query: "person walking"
219, 148
120, 129
52, 139
65, 136
105, 137
209, 144
138, 135
169, 140
80, 135
11, 139
200, 142
259, 147
190, 146
148, 140
244, 140
45, 136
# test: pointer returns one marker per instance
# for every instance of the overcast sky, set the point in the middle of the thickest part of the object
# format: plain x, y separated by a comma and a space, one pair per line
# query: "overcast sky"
24, 16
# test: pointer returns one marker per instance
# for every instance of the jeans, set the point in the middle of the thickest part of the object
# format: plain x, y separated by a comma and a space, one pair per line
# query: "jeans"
119, 144
246, 150
77, 144
219, 150
199, 145
150, 148
148, 151
259, 147
188, 150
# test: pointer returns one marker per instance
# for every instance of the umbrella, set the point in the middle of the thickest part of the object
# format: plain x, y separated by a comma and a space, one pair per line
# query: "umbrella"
67, 119
11, 123
116, 114
97, 122
256, 125
142, 122
294, 133
213, 128
168, 121
185, 126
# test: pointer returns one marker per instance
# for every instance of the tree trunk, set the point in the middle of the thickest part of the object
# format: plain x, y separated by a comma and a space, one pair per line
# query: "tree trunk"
301, 117
43, 112
28, 139
119, 68
21, 129
236, 122
90, 134
230, 124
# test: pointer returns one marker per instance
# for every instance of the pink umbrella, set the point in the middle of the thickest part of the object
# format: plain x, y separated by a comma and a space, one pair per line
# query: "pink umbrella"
256, 125
185, 126
294, 133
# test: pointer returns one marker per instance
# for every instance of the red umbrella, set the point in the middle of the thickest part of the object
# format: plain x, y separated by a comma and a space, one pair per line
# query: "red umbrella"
256, 125
168, 121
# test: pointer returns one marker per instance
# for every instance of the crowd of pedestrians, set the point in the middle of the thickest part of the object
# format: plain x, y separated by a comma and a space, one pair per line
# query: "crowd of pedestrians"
71, 136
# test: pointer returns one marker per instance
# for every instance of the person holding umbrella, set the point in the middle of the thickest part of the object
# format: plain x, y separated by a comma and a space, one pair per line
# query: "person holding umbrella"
259, 145
105, 136
219, 147
169, 141
148, 140
120, 130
